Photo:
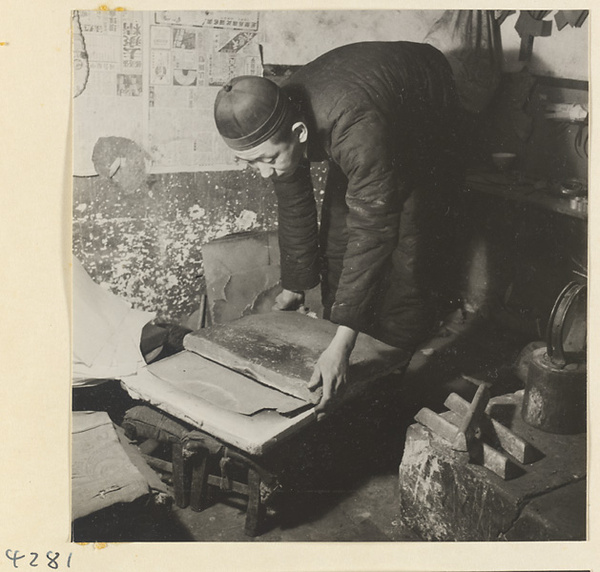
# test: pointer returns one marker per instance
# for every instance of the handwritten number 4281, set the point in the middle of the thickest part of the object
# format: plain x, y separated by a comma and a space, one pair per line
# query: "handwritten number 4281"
32, 559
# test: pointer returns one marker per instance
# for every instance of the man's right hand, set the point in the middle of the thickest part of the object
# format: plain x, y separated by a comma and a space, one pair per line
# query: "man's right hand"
289, 300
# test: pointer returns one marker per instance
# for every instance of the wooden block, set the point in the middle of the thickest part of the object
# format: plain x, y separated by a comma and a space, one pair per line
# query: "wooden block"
280, 349
509, 441
441, 426
520, 449
496, 462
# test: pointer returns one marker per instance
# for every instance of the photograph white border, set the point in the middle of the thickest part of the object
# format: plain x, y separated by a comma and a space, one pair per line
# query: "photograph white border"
35, 293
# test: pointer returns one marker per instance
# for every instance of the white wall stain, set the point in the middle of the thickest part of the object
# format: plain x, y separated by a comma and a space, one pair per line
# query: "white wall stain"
246, 220
196, 212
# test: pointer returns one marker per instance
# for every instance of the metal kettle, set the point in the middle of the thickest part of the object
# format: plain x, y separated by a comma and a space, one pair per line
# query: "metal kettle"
556, 387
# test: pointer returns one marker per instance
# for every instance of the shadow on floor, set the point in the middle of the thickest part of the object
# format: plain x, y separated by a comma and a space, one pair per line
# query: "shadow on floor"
138, 521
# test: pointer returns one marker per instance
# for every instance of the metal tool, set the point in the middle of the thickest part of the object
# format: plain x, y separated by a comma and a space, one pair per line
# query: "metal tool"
466, 427
469, 430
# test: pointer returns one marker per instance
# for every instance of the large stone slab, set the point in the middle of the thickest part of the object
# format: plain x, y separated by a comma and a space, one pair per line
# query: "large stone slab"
443, 496
280, 349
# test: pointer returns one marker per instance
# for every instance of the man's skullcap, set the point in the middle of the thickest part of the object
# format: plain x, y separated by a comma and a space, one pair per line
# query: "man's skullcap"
249, 110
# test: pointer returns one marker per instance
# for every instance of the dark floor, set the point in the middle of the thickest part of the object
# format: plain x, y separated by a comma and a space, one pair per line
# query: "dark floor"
339, 477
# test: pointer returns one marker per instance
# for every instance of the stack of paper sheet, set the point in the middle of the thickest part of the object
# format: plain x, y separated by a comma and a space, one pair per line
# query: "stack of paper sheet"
234, 409
106, 332
187, 378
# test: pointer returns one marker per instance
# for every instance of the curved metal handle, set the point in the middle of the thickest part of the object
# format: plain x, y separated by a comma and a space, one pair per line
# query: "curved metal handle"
556, 323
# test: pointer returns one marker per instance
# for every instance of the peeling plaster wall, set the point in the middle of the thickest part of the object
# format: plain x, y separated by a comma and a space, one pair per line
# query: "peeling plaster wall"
146, 245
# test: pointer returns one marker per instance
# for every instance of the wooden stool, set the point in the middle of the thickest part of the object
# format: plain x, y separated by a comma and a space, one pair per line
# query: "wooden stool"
194, 453
196, 469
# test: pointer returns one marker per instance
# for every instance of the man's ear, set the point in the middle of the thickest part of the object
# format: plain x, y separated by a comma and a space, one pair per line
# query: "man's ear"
301, 131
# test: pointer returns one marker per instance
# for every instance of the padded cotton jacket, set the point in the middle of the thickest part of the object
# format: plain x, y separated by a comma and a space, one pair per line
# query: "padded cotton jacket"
383, 115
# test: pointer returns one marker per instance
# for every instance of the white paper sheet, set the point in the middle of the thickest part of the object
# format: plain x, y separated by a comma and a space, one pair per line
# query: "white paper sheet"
106, 332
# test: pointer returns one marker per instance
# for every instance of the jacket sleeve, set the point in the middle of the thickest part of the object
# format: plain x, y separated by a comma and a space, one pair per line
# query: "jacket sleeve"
298, 232
362, 147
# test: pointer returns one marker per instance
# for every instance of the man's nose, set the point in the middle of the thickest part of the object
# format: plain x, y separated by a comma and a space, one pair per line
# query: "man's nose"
266, 171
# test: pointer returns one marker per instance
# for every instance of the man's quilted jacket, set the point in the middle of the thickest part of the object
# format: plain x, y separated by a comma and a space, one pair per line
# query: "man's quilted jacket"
383, 115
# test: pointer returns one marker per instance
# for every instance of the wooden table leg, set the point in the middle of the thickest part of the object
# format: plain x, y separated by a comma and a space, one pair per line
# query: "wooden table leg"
181, 475
256, 510
199, 495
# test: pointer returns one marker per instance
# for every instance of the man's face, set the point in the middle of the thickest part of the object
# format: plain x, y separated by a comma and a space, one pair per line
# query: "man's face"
274, 158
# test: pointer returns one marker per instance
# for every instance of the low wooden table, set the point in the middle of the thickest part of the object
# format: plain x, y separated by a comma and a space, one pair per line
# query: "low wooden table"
203, 399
